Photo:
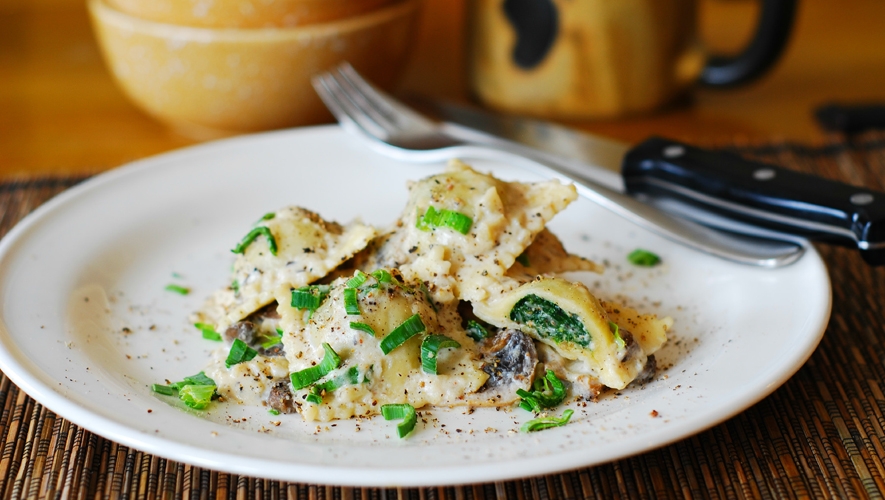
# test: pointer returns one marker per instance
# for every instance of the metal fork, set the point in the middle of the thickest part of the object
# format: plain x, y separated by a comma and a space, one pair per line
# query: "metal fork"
393, 129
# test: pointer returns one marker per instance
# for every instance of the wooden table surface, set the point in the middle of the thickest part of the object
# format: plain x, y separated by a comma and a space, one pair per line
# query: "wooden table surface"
60, 111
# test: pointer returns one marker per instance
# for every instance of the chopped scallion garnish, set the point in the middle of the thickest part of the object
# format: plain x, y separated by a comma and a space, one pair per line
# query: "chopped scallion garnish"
315, 396
403, 411
239, 353
197, 396
616, 331
272, 340
408, 329
548, 392
351, 304
644, 258
235, 286
304, 378
197, 391
382, 276
363, 327
268, 216
539, 424
309, 297
198, 379
428, 296
476, 331
163, 389
273, 411
350, 377
451, 219
208, 330
181, 290
254, 233
358, 279
430, 347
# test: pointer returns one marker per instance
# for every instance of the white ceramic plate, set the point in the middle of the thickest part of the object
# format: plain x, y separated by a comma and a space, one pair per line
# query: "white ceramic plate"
87, 326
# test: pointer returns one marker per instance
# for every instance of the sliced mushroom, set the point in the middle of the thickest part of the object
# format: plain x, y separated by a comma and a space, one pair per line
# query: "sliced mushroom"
281, 399
509, 357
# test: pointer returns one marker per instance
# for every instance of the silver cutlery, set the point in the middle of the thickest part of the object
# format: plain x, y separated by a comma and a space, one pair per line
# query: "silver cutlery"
715, 188
391, 128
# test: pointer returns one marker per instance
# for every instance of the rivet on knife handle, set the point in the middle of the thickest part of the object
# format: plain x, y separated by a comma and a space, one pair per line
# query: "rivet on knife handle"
763, 193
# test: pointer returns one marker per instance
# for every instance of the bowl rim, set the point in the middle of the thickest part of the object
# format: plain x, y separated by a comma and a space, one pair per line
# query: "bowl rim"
104, 13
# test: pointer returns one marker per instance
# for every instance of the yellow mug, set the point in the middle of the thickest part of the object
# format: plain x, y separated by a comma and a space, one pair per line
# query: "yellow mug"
584, 59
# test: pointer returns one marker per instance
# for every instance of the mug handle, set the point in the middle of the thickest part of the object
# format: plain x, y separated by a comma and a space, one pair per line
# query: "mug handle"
769, 41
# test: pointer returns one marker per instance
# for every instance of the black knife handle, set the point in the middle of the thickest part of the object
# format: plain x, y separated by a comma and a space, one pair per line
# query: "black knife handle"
762, 193
851, 119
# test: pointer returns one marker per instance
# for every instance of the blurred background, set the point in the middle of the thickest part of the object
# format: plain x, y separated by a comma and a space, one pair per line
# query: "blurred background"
61, 112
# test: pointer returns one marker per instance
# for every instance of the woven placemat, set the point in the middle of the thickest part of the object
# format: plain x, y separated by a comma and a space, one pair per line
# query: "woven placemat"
822, 434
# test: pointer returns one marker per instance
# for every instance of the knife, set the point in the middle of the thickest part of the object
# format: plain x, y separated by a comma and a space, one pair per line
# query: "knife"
715, 188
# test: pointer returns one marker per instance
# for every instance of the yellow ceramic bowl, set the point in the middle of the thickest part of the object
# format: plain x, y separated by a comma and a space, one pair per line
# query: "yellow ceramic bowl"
214, 82
245, 13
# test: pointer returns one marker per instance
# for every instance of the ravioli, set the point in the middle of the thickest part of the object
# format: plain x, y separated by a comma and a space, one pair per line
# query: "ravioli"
307, 248
324, 307
506, 218
369, 376
567, 317
547, 255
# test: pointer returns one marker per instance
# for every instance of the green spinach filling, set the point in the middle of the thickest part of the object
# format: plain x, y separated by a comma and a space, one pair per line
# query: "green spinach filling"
549, 321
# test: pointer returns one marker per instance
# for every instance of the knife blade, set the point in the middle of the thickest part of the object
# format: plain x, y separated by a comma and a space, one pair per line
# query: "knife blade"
715, 188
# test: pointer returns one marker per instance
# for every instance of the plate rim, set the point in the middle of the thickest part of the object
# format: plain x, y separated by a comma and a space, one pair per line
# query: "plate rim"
23, 377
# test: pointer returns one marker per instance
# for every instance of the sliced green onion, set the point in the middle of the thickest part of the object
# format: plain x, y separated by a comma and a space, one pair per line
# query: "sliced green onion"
476, 331
404, 411
351, 304
366, 378
208, 330
197, 396
523, 259
428, 297
456, 220
197, 391
350, 377
268, 216
211, 335
363, 327
616, 331
408, 329
358, 279
548, 392
198, 379
304, 378
451, 219
382, 276
181, 290
539, 424
239, 353
309, 297
644, 258
235, 286
314, 396
430, 347
428, 221
272, 340
254, 233
163, 389
273, 411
